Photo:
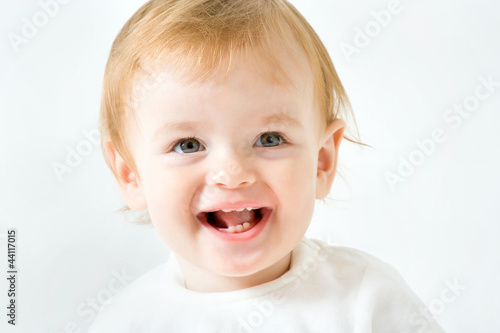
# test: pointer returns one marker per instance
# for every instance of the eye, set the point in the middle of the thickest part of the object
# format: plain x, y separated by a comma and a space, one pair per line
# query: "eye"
270, 139
188, 146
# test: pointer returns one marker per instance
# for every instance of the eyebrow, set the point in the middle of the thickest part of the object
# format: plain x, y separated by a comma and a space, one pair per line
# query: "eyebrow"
282, 118
279, 118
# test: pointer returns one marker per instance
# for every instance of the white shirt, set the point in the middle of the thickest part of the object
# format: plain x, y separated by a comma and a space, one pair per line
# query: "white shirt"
327, 289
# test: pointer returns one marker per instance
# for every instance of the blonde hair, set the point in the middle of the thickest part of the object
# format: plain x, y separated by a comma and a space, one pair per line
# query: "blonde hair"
203, 36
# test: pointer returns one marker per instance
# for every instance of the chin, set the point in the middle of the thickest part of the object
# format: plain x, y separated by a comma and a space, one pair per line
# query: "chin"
256, 268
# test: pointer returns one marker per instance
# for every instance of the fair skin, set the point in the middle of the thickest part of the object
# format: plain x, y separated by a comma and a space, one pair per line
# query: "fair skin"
237, 160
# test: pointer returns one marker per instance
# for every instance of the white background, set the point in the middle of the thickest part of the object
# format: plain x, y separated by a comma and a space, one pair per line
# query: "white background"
439, 226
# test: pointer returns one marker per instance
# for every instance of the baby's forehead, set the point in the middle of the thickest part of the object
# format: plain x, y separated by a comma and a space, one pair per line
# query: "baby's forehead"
252, 86
242, 88
249, 84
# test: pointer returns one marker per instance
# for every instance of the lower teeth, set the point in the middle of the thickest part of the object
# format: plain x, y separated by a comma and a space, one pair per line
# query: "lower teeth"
238, 228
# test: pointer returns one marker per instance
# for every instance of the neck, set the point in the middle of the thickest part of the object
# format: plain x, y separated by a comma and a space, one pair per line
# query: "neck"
201, 280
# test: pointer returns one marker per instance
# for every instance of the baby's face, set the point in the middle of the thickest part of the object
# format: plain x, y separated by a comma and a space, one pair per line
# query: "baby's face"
243, 142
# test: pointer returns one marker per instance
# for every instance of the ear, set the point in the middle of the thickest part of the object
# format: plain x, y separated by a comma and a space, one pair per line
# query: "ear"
127, 181
327, 157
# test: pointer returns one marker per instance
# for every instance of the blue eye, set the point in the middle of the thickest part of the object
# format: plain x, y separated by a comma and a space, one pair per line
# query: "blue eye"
188, 146
193, 145
270, 139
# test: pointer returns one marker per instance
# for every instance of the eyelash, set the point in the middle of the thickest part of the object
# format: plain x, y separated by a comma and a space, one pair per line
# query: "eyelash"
281, 135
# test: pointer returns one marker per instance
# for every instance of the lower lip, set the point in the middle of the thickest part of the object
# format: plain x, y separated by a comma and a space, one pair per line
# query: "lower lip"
241, 236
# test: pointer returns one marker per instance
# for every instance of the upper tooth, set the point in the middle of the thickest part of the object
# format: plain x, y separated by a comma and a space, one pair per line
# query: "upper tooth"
237, 210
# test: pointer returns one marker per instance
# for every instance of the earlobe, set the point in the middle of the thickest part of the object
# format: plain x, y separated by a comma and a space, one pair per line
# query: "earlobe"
127, 180
327, 157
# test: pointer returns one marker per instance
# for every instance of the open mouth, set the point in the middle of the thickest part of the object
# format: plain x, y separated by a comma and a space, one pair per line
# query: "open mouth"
234, 221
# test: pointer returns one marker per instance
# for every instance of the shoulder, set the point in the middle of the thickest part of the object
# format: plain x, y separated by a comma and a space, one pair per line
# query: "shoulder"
384, 302
346, 260
124, 312
347, 270
365, 271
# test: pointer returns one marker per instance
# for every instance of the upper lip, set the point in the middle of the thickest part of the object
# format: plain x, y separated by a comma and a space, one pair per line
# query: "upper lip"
234, 205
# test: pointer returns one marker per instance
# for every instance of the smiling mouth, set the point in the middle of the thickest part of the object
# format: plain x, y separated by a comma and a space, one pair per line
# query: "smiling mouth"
235, 221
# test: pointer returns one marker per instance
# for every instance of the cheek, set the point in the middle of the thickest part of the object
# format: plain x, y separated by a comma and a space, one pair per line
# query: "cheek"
169, 195
296, 183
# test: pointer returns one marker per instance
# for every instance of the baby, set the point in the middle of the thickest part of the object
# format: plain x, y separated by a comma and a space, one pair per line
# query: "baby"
223, 119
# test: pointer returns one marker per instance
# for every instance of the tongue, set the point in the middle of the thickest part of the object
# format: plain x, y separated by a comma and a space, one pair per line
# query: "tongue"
233, 218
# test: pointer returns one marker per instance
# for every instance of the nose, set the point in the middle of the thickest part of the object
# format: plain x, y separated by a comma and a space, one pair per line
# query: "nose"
231, 173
